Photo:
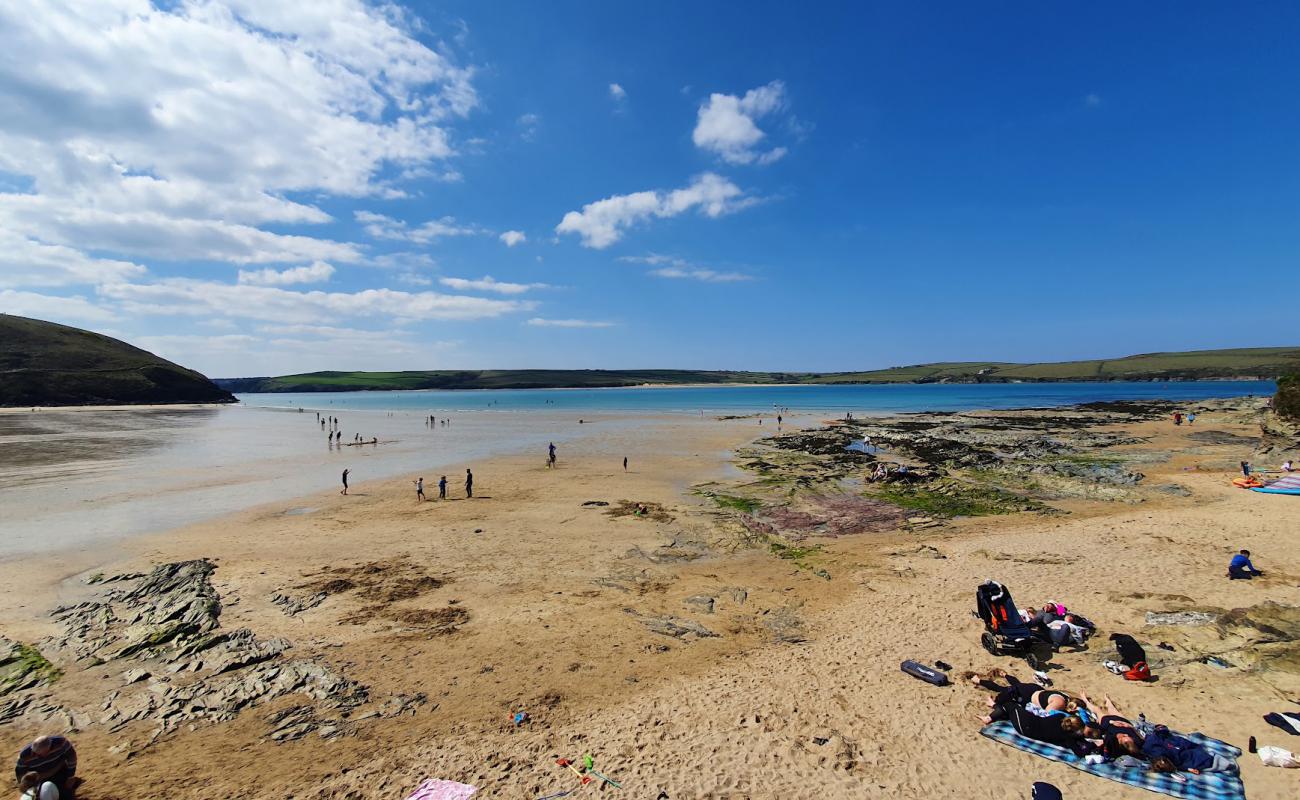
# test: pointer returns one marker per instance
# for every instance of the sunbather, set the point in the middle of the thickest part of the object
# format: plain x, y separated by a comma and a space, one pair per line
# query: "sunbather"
1119, 736
1042, 714
1170, 752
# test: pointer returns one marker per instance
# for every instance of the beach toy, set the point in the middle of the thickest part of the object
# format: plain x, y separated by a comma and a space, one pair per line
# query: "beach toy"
521, 717
928, 674
564, 762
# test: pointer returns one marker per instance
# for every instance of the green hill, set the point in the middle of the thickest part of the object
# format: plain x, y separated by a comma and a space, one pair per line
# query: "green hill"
46, 364
1259, 362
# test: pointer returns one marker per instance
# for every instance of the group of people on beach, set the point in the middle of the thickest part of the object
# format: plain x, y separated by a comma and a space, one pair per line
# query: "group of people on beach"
1097, 732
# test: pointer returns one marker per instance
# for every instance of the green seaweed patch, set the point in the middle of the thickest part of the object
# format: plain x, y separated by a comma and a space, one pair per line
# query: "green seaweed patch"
744, 504
954, 500
25, 667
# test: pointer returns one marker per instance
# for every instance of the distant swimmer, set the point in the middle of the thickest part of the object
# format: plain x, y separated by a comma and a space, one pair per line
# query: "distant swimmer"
419, 489
345, 481
469, 483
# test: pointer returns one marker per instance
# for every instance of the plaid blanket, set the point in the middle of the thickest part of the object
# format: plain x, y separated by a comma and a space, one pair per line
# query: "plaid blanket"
1208, 786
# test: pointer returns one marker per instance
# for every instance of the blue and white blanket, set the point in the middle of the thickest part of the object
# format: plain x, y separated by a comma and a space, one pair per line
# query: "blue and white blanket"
1206, 786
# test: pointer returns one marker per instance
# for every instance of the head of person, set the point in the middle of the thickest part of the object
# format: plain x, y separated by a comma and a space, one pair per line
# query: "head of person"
1072, 706
1246, 553
1091, 732
1124, 744
1073, 726
43, 745
1163, 764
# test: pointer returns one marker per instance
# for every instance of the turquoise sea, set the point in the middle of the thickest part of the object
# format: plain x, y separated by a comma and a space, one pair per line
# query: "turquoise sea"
860, 399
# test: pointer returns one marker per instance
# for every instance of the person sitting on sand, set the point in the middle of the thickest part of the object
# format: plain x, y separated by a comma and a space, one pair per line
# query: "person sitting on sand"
1286, 466
52, 759
1241, 569
1119, 736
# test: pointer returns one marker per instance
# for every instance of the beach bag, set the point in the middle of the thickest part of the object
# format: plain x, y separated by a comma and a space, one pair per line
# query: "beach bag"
1277, 757
1139, 672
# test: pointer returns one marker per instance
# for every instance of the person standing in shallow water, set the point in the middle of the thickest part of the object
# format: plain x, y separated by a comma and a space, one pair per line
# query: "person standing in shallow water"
345, 481
469, 483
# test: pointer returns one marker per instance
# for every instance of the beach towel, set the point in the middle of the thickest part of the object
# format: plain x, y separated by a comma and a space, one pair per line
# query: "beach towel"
1208, 786
442, 790
1287, 485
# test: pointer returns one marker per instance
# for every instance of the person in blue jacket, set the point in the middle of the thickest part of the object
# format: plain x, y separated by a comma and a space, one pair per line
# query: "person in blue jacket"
1240, 567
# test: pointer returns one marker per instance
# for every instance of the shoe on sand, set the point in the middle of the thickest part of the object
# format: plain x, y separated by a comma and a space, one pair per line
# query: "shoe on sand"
1113, 667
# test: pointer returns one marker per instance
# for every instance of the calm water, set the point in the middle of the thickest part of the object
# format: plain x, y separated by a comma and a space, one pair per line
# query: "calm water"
861, 399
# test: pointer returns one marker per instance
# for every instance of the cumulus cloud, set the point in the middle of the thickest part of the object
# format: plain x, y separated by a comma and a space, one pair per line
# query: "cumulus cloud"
538, 322
617, 93
726, 126
24, 262
188, 297
52, 307
177, 131
382, 227
314, 273
512, 238
603, 222
489, 284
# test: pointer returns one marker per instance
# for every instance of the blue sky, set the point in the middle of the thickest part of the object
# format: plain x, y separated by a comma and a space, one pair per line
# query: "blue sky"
254, 190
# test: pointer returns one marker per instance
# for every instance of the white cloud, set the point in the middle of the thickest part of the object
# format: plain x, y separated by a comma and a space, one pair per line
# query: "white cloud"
382, 227
603, 222
176, 131
1092, 100
489, 284
314, 273
538, 322
617, 93
673, 267
52, 308
726, 124
24, 262
528, 124
186, 297
512, 238
706, 275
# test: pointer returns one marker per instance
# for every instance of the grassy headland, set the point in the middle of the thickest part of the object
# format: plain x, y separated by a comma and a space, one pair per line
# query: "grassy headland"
1243, 363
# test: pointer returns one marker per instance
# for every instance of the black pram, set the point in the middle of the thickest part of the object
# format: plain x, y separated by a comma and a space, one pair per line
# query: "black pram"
1005, 633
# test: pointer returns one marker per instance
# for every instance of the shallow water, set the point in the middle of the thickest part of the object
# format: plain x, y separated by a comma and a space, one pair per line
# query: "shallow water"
82, 478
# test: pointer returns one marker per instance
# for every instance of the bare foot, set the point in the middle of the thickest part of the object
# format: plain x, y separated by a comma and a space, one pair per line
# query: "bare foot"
986, 720
989, 700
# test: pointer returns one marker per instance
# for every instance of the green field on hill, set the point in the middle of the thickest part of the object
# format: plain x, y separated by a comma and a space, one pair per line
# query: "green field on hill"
1243, 363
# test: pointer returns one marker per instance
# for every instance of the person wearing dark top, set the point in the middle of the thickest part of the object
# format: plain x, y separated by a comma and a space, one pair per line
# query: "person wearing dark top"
442, 488
1240, 567
469, 483
53, 758
1119, 736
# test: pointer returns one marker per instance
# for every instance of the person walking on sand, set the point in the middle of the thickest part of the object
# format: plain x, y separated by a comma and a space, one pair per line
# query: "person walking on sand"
345, 481
550, 461
469, 483
625, 463
442, 488
419, 490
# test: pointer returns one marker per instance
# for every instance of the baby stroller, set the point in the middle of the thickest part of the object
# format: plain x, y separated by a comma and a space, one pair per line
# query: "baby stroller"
1005, 633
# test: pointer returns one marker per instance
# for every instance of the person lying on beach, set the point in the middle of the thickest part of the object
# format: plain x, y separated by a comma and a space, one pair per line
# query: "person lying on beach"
1041, 714
1170, 752
1119, 736
1240, 567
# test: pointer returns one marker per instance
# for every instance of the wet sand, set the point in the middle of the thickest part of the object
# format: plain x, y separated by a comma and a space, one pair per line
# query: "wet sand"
799, 693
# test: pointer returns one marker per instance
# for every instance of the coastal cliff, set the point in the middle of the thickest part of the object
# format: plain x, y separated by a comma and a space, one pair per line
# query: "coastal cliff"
46, 364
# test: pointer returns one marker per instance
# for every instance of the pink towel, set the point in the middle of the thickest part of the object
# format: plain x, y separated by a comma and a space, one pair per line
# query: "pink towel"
442, 790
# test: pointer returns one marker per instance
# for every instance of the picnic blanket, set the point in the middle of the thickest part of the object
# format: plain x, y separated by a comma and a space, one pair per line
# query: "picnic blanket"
1207, 786
433, 789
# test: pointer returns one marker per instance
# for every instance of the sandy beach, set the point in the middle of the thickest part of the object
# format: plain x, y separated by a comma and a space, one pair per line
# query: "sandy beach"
689, 660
